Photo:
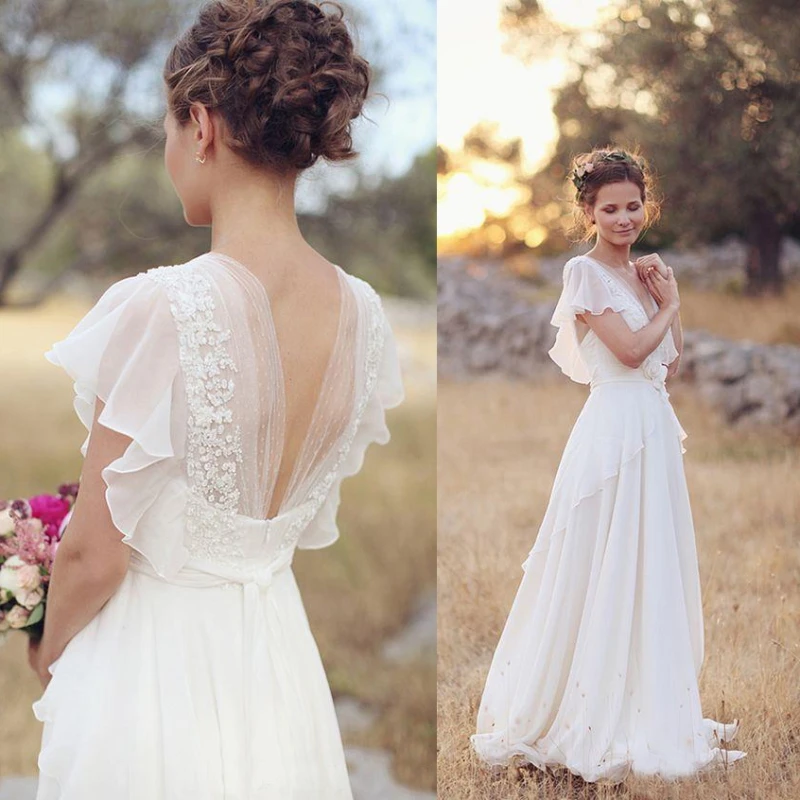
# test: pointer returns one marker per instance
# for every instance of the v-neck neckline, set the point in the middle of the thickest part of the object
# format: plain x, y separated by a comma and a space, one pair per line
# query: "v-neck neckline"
343, 285
624, 283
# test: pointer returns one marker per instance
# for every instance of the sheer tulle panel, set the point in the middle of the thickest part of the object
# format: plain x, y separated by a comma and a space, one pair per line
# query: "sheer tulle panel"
337, 401
259, 401
295, 392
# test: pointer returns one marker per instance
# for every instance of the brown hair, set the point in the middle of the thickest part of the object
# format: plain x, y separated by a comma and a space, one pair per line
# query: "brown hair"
282, 73
604, 165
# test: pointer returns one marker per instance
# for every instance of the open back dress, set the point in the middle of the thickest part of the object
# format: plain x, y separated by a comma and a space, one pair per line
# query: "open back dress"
200, 679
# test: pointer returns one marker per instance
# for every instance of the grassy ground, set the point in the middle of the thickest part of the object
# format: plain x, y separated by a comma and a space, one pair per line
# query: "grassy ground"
499, 443
357, 592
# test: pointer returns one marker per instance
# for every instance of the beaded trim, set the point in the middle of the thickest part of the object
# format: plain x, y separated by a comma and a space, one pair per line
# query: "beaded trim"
213, 444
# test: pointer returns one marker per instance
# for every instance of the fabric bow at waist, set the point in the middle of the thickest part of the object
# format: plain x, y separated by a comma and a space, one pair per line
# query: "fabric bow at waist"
253, 579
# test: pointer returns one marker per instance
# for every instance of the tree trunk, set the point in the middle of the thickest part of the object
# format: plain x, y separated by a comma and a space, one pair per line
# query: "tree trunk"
763, 254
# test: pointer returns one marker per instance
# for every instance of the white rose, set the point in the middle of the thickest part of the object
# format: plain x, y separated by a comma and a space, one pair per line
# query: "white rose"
30, 598
6, 522
18, 617
9, 574
655, 371
23, 580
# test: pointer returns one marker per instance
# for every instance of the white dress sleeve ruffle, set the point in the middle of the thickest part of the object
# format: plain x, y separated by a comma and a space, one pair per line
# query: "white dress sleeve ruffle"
125, 351
669, 351
388, 393
584, 290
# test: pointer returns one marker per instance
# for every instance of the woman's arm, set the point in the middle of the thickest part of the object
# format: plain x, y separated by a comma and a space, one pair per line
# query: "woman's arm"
91, 560
633, 347
630, 347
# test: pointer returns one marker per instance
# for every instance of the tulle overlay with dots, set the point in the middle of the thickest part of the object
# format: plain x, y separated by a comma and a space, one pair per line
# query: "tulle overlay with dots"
597, 667
200, 678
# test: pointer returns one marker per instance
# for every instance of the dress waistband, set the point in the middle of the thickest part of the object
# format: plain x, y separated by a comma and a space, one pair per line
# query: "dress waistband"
656, 381
198, 573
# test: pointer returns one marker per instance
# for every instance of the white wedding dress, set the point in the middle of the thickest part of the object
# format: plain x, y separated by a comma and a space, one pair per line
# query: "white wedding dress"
596, 670
200, 679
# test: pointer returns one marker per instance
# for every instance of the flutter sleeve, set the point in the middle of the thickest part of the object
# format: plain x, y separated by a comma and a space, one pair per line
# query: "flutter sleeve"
388, 392
125, 351
584, 290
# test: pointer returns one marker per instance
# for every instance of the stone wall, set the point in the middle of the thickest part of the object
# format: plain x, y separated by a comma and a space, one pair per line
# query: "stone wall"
487, 324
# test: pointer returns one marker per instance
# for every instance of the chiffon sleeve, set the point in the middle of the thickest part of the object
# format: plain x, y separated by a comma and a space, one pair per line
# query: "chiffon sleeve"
584, 290
125, 352
387, 393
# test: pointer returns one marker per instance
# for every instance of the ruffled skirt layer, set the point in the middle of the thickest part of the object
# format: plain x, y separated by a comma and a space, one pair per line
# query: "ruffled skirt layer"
149, 701
597, 666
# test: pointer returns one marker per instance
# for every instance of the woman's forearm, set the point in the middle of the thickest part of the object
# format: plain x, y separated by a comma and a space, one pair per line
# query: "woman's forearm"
79, 587
646, 339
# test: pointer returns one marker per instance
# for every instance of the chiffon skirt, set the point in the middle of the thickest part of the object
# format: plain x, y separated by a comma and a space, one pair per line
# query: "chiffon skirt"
597, 667
153, 700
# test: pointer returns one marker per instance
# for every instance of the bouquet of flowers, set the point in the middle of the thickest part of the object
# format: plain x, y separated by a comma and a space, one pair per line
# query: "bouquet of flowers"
30, 531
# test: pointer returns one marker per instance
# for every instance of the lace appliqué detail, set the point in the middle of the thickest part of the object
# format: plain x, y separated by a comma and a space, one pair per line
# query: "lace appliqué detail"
375, 341
213, 445
618, 291
663, 352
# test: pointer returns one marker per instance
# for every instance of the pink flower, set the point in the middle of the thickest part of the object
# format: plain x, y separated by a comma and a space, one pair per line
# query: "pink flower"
30, 599
17, 617
51, 510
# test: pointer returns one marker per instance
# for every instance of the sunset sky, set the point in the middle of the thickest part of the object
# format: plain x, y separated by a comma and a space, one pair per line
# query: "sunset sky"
477, 82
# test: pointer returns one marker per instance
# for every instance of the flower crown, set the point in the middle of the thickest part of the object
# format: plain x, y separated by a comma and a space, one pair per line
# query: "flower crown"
580, 172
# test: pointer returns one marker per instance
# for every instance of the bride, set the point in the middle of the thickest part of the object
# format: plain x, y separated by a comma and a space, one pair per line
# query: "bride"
596, 669
226, 398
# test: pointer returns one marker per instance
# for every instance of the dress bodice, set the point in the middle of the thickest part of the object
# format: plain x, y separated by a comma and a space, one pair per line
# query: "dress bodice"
187, 361
591, 287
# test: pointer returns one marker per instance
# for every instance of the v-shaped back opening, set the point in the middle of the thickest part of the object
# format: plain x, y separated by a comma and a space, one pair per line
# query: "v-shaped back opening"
311, 403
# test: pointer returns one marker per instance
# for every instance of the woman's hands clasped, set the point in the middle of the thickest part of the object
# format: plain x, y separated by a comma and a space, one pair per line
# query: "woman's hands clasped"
659, 280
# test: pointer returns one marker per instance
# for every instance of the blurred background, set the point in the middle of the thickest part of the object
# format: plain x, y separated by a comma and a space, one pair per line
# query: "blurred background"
709, 92
89, 202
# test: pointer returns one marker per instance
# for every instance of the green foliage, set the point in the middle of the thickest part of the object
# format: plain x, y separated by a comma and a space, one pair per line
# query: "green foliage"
710, 91
385, 231
86, 173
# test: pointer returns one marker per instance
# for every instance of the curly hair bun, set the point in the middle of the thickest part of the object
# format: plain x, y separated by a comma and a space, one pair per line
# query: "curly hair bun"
283, 73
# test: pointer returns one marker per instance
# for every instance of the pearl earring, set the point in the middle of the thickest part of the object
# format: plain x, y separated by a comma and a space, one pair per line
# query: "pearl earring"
198, 159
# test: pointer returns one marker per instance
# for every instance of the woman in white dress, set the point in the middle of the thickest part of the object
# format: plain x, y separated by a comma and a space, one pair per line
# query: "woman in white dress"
226, 399
596, 670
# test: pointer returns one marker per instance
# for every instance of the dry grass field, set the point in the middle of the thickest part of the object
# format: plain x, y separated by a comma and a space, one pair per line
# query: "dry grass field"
499, 443
357, 593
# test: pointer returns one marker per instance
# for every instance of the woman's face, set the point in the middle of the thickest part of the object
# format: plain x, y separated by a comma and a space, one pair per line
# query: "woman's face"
618, 213
191, 179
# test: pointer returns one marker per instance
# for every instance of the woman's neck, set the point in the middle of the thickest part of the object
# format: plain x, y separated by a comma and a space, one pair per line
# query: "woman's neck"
254, 219
613, 255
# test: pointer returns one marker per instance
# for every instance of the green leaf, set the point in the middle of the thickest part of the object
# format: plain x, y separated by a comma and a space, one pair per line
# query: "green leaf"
36, 615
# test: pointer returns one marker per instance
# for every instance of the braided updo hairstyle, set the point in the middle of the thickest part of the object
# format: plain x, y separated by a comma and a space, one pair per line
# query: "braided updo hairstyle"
283, 74
591, 171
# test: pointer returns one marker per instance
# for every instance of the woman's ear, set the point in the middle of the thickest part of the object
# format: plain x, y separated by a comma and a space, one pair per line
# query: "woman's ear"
203, 134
